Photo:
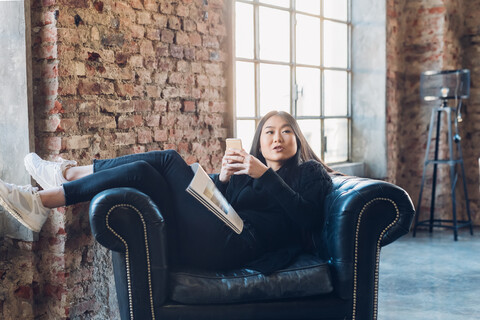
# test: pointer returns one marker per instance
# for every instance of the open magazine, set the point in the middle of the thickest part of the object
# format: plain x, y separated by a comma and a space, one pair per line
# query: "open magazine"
205, 191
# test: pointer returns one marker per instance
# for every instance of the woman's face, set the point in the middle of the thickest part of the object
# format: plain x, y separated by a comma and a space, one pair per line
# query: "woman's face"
277, 142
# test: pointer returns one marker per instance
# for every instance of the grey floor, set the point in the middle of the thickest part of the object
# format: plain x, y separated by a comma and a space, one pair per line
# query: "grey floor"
431, 277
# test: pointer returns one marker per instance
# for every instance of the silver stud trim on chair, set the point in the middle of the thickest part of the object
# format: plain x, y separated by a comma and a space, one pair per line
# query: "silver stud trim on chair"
127, 261
355, 276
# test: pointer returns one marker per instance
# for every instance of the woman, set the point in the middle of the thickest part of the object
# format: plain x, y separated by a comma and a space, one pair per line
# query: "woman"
278, 190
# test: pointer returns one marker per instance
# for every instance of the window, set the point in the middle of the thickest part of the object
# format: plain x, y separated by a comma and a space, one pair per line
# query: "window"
294, 55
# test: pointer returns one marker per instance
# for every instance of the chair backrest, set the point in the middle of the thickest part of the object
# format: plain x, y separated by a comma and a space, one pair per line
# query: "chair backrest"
361, 215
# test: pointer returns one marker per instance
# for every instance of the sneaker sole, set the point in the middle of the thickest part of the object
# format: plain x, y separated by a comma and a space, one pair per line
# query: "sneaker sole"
31, 170
16, 215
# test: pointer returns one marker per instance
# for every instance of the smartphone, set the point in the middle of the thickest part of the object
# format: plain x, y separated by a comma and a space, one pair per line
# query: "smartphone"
234, 143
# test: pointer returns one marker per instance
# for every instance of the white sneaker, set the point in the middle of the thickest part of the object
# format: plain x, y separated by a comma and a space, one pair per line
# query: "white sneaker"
24, 204
48, 174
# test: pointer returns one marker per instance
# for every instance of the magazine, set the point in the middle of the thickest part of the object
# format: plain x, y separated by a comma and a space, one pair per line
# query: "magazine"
205, 191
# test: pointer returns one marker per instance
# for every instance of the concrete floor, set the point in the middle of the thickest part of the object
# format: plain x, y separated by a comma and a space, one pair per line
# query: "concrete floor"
431, 277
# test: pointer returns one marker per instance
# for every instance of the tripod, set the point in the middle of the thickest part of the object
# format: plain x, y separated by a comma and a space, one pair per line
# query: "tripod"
452, 162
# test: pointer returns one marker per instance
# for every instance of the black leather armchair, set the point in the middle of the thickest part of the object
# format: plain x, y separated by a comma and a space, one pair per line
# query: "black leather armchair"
338, 281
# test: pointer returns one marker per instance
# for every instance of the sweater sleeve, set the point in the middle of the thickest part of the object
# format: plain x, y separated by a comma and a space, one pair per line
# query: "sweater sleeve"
304, 205
219, 184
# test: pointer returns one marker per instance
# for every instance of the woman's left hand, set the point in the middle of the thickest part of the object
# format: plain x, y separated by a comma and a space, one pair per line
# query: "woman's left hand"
250, 165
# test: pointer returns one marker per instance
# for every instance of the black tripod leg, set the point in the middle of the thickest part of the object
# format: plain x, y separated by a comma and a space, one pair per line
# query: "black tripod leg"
434, 179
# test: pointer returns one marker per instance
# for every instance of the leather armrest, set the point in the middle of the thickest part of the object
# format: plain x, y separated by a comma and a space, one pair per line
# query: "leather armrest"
362, 215
129, 223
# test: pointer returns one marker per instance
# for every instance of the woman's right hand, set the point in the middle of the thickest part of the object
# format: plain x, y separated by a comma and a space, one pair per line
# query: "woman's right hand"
230, 156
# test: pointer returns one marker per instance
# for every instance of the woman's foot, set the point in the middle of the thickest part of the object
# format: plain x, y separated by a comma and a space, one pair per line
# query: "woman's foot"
24, 204
48, 174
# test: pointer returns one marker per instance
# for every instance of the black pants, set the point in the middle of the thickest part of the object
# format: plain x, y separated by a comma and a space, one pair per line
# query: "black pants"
202, 239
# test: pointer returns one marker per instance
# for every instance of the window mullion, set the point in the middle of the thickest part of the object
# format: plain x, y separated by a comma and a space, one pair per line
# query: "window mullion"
256, 57
322, 85
293, 48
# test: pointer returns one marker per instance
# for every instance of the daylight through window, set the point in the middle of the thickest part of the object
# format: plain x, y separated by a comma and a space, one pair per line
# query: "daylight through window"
294, 55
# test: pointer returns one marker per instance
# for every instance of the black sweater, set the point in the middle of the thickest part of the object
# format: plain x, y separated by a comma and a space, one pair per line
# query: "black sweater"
279, 206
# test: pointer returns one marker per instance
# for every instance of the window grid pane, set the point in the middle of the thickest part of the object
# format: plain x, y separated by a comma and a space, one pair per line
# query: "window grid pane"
244, 21
245, 89
285, 81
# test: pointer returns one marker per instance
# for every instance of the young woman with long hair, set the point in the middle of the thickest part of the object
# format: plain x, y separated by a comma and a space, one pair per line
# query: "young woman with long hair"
277, 189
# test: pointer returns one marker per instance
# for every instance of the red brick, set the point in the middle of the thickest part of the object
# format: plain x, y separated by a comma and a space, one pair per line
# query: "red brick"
142, 105
436, 10
136, 61
47, 3
195, 39
56, 291
183, 147
202, 27
160, 19
153, 91
136, 149
167, 36
160, 78
46, 52
124, 89
98, 122
189, 25
146, 48
24, 292
218, 30
136, 31
77, 142
213, 68
136, 4
144, 17
197, 67
86, 87
50, 70
174, 23
202, 80
170, 92
182, 10
176, 51
128, 122
51, 124
182, 38
52, 143
169, 146
48, 34
190, 53
153, 34
161, 135
160, 106
174, 106
125, 138
166, 7
151, 5
68, 125
189, 106
144, 136
153, 120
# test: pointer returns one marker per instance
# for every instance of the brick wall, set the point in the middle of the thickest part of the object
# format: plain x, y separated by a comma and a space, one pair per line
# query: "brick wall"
111, 78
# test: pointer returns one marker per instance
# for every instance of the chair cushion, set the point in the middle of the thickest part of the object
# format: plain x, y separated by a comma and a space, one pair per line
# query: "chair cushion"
306, 276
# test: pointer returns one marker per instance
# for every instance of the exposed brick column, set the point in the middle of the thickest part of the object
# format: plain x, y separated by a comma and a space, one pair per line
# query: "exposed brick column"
470, 128
423, 36
50, 287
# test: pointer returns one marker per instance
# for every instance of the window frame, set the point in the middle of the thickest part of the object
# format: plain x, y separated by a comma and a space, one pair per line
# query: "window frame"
292, 64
